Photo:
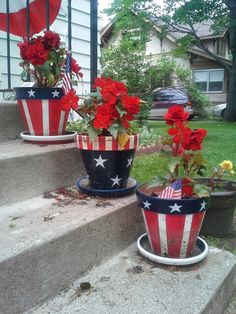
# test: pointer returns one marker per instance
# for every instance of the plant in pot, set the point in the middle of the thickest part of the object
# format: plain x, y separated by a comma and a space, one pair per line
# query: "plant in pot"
50, 68
174, 205
109, 138
219, 218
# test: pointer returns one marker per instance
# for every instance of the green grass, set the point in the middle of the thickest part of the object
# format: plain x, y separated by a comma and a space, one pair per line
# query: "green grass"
219, 145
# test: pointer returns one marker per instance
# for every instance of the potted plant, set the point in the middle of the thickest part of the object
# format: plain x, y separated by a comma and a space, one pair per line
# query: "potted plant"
108, 140
49, 67
219, 218
174, 206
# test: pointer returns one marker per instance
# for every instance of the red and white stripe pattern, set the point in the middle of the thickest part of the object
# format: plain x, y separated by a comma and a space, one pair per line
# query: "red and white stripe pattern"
172, 235
66, 80
43, 116
105, 143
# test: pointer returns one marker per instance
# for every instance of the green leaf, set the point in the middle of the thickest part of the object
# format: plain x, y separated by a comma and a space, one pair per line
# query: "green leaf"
201, 190
92, 133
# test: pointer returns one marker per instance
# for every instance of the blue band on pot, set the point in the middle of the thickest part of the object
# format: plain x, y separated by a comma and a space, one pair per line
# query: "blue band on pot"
38, 93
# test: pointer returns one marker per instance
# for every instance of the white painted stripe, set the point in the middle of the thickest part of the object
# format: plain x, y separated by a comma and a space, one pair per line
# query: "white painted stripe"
27, 115
45, 113
84, 142
186, 234
61, 123
96, 144
146, 225
131, 142
162, 233
108, 143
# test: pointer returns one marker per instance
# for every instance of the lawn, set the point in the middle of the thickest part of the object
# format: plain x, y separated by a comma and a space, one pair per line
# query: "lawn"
219, 145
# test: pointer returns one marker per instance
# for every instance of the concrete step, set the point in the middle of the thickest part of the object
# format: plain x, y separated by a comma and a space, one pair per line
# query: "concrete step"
48, 242
28, 170
11, 123
128, 283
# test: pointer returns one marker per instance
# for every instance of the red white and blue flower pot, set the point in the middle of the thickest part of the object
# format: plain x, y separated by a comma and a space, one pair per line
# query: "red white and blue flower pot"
42, 112
172, 225
107, 164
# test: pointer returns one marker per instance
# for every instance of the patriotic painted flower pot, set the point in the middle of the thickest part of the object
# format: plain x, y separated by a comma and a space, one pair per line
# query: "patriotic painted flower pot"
107, 164
41, 110
172, 225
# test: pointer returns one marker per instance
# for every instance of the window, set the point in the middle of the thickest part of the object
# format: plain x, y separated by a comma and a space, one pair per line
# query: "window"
209, 80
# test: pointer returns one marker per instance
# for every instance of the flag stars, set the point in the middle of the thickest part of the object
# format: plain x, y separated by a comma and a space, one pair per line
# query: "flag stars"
203, 205
100, 161
31, 93
130, 160
116, 180
175, 208
55, 94
146, 204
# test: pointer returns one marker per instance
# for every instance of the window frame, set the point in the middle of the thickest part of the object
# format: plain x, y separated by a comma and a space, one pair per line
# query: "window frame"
208, 80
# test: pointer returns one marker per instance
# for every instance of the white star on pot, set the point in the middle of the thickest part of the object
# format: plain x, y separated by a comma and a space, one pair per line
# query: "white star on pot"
56, 93
100, 161
147, 204
116, 180
203, 205
175, 208
129, 162
31, 93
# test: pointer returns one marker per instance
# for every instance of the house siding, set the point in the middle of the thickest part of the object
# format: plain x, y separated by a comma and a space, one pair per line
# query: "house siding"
80, 44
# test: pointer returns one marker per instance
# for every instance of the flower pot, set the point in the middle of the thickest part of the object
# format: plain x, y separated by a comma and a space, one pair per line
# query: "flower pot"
107, 164
41, 110
172, 225
219, 218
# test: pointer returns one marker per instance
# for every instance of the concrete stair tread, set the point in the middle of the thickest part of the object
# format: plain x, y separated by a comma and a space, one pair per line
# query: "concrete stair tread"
47, 243
34, 222
128, 283
19, 148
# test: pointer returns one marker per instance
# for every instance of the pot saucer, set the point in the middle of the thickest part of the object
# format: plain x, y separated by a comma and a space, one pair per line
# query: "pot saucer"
68, 137
83, 186
199, 253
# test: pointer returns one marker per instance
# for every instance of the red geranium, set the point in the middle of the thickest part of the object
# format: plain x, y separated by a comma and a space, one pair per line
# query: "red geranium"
185, 145
51, 40
70, 100
36, 53
175, 114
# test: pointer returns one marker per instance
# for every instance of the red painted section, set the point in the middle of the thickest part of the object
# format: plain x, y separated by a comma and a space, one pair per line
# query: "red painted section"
174, 232
35, 112
196, 225
54, 116
153, 230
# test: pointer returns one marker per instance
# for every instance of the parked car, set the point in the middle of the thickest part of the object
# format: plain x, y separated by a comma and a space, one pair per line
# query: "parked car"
219, 110
164, 98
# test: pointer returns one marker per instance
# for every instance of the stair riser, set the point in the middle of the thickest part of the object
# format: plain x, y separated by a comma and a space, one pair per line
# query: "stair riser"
29, 278
11, 123
28, 176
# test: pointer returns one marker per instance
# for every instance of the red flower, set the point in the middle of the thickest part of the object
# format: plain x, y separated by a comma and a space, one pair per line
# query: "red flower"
76, 68
187, 187
23, 48
36, 52
104, 117
196, 138
70, 101
131, 104
176, 113
51, 40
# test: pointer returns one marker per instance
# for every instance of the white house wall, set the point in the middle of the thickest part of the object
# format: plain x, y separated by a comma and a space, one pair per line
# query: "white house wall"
80, 44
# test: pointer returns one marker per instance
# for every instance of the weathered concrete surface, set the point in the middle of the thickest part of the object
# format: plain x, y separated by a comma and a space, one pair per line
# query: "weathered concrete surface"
11, 122
128, 283
45, 247
28, 170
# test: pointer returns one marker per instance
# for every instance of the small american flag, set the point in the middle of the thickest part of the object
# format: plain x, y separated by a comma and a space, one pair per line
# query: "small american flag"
66, 83
173, 191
